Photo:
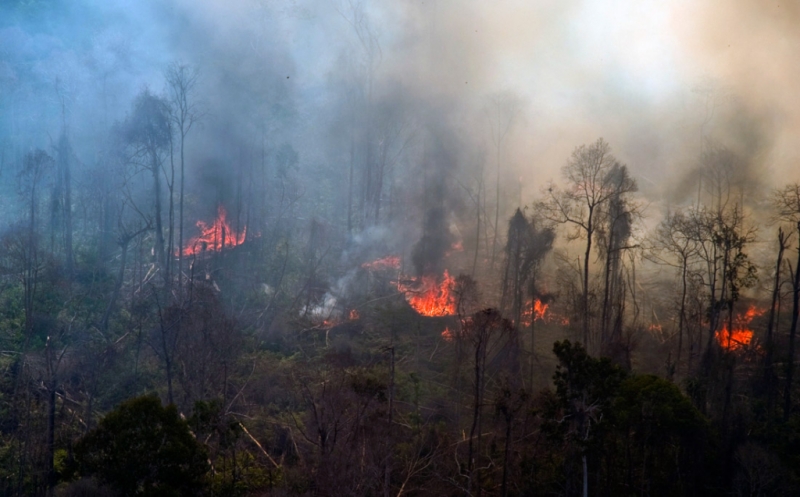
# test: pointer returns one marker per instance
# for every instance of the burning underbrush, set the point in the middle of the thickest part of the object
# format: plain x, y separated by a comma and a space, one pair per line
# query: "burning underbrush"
430, 295
739, 335
214, 237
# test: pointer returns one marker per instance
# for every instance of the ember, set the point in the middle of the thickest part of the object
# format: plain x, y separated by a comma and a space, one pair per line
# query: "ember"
429, 297
741, 335
215, 237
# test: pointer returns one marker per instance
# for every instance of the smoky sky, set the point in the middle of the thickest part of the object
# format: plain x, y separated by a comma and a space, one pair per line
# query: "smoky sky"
655, 79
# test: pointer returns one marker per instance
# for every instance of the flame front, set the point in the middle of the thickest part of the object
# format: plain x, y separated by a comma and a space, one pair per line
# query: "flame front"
429, 297
741, 334
215, 237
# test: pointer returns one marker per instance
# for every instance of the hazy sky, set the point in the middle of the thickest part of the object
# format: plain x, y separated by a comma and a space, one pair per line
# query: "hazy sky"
654, 78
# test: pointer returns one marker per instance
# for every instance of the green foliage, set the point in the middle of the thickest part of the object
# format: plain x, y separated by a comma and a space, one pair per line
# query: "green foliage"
144, 449
638, 432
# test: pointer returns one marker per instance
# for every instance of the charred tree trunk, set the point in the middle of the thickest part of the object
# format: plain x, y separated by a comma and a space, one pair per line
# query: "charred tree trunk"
585, 303
787, 398
769, 372
475, 430
682, 311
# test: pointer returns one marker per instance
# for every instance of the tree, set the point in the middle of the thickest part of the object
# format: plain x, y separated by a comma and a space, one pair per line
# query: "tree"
485, 330
181, 82
615, 229
672, 245
147, 132
143, 448
526, 247
36, 165
769, 369
585, 388
786, 202
592, 178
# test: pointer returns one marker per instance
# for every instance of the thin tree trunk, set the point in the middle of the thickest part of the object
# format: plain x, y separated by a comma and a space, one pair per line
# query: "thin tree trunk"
387, 477
477, 230
506, 452
180, 223
682, 313
769, 373
787, 397
585, 310
476, 410
157, 193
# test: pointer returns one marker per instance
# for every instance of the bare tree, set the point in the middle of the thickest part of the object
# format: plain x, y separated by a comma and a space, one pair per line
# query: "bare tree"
673, 245
485, 330
35, 167
786, 202
769, 371
184, 113
147, 132
590, 185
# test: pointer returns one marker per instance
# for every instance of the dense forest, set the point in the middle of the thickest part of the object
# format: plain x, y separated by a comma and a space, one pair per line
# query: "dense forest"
398, 248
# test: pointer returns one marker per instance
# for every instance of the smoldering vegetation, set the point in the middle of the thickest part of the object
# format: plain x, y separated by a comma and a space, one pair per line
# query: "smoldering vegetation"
357, 247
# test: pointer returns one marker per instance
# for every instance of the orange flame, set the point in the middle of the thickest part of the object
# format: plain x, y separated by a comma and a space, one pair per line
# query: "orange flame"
430, 298
535, 312
447, 335
741, 335
388, 262
215, 237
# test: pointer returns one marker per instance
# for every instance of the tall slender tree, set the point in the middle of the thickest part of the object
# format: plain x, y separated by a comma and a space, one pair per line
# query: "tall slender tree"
184, 113
590, 186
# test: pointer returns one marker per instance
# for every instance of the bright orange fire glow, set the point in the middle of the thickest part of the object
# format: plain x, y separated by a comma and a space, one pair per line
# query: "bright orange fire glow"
429, 297
447, 335
216, 236
536, 311
741, 335
388, 262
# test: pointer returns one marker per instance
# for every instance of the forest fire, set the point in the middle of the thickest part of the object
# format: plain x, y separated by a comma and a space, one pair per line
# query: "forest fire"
334, 318
388, 262
216, 236
536, 311
741, 334
429, 297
